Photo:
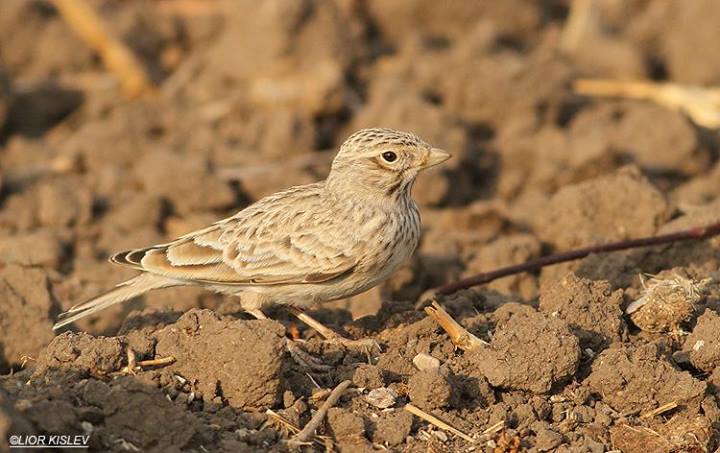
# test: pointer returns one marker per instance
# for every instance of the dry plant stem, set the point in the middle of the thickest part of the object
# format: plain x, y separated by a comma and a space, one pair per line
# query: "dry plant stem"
314, 423
116, 56
157, 362
437, 422
695, 233
701, 104
662, 409
280, 419
458, 334
494, 428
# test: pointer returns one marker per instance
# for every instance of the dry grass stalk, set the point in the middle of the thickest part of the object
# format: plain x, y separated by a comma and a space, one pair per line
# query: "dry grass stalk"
437, 422
701, 104
156, 362
283, 421
660, 410
458, 334
290, 426
115, 55
494, 428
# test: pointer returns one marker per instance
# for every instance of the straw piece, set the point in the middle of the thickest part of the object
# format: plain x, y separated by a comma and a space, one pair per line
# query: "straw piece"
701, 104
458, 334
657, 411
90, 27
437, 422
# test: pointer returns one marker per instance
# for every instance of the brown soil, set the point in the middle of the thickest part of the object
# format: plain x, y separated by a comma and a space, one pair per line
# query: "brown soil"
253, 97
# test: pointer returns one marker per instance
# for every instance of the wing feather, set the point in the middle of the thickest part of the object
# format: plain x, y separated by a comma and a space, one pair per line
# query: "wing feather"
283, 239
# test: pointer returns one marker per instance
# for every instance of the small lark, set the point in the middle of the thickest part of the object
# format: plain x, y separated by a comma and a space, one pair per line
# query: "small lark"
307, 244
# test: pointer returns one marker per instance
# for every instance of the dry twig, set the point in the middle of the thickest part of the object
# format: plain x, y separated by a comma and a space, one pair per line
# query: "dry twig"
695, 233
701, 104
133, 365
314, 423
116, 56
437, 422
458, 334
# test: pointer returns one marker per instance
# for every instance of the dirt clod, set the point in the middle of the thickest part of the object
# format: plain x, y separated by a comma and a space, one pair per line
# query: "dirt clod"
583, 214
429, 389
641, 378
367, 376
124, 402
590, 308
83, 354
702, 345
240, 361
393, 428
345, 425
25, 324
531, 351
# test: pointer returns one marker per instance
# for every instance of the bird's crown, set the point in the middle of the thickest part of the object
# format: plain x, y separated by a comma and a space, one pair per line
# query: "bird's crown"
371, 138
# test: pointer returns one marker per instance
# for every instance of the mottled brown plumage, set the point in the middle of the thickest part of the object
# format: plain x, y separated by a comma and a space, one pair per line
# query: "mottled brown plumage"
311, 243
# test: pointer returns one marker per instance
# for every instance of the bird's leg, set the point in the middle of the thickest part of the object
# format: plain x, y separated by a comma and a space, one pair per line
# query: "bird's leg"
257, 313
297, 353
330, 335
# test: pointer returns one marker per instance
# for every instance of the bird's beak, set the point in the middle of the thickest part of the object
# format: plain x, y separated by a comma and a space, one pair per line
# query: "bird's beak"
436, 156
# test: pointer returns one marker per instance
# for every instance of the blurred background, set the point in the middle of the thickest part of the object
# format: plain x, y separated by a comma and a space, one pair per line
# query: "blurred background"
127, 123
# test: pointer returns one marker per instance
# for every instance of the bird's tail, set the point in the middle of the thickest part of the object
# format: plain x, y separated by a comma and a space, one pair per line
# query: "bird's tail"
124, 291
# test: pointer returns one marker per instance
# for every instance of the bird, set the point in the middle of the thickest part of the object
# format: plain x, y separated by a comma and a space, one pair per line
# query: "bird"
304, 245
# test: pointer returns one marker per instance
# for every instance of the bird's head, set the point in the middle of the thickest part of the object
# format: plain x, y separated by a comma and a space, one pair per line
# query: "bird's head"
382, 162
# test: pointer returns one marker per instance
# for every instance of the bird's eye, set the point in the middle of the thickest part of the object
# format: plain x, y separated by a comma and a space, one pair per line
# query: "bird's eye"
389, 156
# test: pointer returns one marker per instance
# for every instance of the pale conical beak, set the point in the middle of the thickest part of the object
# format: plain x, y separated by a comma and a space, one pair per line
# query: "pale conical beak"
436, 156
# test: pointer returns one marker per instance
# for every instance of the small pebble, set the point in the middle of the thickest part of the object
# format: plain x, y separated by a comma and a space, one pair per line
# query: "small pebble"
424, 361
382, 397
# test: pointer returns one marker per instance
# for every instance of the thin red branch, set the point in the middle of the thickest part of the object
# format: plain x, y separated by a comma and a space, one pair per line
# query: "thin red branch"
695, 233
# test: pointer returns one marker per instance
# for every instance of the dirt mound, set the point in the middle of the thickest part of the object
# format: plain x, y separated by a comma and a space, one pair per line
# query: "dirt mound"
528, 352
642, 378
239, 362
591, 309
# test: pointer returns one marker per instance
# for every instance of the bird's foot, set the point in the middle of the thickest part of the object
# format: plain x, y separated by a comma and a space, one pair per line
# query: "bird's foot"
366, 345
304, 359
